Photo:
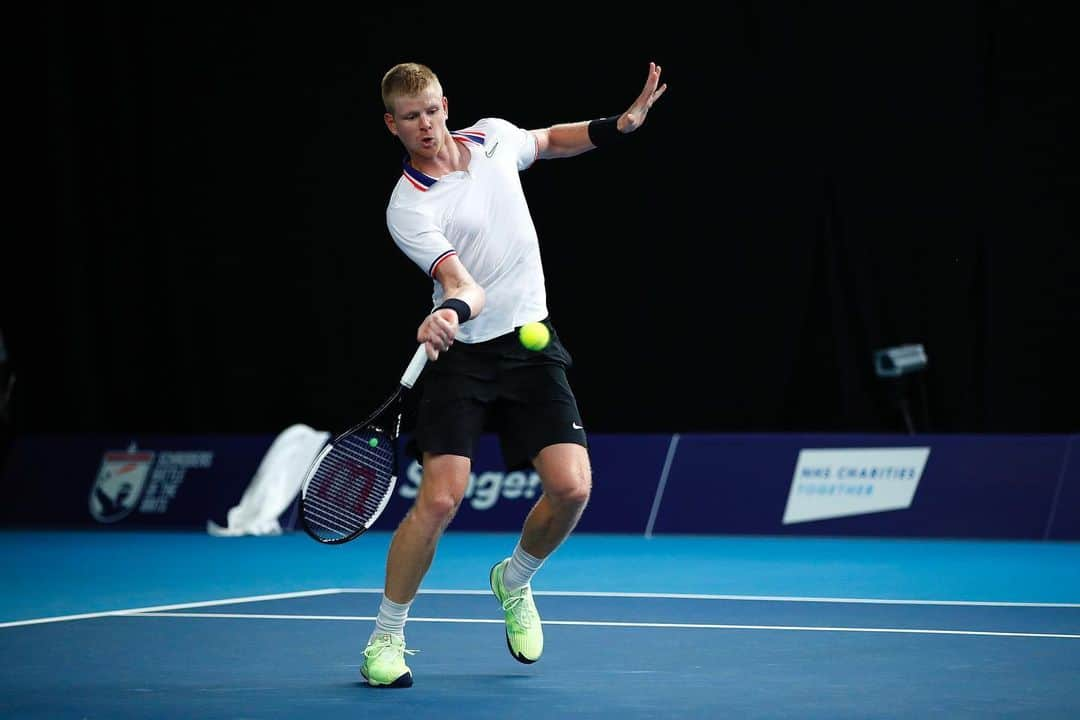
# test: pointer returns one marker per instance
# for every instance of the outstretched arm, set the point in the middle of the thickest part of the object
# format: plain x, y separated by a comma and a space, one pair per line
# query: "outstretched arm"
569, 139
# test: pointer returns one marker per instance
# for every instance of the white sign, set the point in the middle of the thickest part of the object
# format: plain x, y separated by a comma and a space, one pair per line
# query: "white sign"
838, 482
485, 489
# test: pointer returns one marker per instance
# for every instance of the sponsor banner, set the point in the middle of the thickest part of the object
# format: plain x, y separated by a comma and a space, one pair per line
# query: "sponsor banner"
983, 486
626, 470
128, 481
1002, 486
847, 481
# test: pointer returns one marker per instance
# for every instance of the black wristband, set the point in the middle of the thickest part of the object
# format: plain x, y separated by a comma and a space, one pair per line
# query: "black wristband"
605, 131
464, 312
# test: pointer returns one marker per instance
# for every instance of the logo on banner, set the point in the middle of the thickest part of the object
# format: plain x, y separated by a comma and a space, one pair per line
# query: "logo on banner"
141, 480
120, 484
835, 482
485, 489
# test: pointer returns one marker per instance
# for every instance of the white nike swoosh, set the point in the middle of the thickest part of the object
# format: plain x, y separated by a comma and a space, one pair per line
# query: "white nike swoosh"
576, 426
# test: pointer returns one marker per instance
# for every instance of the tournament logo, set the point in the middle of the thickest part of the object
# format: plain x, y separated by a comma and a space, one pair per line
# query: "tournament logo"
120, 484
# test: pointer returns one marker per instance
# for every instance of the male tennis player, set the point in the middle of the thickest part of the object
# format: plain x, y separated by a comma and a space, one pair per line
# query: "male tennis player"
458, 211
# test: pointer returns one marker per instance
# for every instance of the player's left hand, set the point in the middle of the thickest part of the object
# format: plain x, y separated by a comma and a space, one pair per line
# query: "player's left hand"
634, 118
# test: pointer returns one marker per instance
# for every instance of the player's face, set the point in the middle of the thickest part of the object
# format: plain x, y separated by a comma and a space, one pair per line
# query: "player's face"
420, 121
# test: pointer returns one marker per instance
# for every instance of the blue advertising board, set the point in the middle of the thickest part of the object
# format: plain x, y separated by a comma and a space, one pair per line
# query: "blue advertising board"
145, 481
496, 500
1064, 522
929, 486
962, 486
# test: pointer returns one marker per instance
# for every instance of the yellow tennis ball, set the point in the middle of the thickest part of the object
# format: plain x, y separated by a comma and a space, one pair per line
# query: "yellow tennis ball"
534, 335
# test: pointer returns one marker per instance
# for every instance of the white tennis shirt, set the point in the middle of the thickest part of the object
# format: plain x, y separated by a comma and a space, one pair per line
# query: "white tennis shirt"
479, 214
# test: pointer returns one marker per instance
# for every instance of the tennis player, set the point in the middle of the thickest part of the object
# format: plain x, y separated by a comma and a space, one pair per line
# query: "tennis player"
458, 211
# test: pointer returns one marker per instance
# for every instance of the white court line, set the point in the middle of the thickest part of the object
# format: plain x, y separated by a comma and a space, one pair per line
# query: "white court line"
606, 623
177, 606
751, 598
550, 593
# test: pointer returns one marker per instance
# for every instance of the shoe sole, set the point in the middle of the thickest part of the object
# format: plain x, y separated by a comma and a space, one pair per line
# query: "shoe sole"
402, 682
517, 656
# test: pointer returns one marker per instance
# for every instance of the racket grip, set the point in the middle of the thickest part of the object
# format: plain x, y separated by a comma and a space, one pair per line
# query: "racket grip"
419, 360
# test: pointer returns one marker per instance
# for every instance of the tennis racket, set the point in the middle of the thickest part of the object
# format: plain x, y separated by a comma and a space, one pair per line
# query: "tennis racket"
351, 480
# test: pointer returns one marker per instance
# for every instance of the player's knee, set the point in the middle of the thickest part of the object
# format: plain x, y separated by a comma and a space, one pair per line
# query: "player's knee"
572, 487
442, 489
580, 491
438, 507
566, 474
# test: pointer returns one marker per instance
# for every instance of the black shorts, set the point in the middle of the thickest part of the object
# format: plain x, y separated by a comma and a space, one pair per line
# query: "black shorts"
497, 386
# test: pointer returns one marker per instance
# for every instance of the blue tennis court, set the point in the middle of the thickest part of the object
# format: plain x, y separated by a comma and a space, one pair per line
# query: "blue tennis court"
808, 310
174, 624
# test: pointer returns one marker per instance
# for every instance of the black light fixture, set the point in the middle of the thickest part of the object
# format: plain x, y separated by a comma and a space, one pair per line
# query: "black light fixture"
899, 360
896, 365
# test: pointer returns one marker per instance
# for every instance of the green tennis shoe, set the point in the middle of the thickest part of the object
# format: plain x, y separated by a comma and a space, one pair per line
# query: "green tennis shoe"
524, 632
384, 662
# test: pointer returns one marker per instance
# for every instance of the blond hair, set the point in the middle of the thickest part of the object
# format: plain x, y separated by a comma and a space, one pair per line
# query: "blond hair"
406, 79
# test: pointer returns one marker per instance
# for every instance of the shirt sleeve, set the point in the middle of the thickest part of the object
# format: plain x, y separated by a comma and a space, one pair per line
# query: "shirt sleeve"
418, 237
521, 142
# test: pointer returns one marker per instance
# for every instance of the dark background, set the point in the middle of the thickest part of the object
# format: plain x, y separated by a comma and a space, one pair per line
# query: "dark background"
821, 180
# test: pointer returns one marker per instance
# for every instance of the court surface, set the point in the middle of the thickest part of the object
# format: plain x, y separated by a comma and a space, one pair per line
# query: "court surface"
127, 624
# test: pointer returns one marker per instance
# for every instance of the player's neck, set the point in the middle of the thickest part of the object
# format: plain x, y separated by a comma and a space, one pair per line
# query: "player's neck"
451, 157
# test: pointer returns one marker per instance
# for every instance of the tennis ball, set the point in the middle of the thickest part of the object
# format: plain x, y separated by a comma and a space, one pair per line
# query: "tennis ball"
373, 442
534, 335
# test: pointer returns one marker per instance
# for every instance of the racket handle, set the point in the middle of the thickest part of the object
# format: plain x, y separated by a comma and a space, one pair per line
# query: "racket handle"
419, 360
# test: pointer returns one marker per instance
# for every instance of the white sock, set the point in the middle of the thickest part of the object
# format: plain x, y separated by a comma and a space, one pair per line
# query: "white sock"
520, 570
391, 617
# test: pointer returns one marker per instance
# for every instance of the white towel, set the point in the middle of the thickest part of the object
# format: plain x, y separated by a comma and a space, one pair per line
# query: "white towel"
275, 484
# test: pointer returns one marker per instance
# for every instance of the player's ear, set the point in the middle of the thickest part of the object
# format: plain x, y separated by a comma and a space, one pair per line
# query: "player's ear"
388, 118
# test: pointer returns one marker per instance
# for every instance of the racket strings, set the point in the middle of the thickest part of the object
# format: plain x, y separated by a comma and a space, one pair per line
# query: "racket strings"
331, 514
350, 485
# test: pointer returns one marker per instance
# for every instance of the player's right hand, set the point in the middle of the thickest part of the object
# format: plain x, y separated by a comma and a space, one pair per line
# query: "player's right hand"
438, 331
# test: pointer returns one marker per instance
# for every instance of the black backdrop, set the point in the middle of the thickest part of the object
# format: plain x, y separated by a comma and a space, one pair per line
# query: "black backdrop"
822, 179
